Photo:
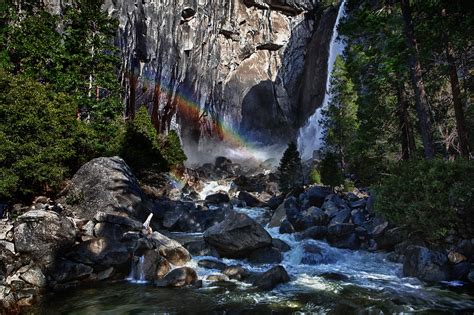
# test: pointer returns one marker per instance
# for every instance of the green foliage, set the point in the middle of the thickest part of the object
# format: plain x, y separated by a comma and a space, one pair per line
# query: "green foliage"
331, 173
348, 185
290, 170
37, 136
141, 148
315, 176
172, 150
340, 120
427, 195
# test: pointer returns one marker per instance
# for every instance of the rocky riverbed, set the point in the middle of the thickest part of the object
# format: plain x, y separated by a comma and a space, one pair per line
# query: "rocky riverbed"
224, 239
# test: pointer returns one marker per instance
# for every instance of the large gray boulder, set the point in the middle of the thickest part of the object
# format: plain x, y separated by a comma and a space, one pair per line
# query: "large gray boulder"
271, 278
100, 252
106, 185
43, 235
178, 277
170, 249
237, 236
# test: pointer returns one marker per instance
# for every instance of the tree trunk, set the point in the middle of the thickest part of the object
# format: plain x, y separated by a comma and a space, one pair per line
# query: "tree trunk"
405, 126
417, 81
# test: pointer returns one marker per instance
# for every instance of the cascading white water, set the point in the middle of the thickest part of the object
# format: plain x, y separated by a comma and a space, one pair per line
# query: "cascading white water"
309, 137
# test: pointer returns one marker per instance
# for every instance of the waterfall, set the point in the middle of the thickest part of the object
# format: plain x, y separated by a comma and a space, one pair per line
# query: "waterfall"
309, 137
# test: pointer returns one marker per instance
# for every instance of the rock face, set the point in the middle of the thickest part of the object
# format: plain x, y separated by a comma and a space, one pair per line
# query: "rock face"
237, 236
43, 235
107, 185
248, 63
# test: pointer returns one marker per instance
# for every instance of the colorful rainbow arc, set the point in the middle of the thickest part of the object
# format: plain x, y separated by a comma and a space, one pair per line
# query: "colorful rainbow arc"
188, 107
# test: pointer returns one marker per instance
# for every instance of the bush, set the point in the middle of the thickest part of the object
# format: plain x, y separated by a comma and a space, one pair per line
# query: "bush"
36, 137
140, 147
172, 150
314, 176
290, 169
428, 196
331, 174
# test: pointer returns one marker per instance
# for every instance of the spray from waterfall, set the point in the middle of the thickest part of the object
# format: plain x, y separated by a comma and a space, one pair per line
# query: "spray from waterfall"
309, 137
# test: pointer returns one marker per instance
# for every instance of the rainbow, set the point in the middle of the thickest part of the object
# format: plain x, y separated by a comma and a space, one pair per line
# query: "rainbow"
189, 108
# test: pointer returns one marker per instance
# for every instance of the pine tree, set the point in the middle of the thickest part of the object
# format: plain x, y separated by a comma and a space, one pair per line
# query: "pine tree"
172, 150
340, 120
290, 169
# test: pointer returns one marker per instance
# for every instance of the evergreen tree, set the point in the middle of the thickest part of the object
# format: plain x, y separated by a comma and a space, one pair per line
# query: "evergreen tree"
290, 169
172, 150
340, 120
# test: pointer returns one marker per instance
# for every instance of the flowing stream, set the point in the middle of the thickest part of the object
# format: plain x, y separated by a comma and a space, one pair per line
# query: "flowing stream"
346, 282
309, 137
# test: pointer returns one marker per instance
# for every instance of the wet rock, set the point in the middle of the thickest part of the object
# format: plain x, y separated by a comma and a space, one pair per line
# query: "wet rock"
314, 232
470, 276
173, 251
267, 255
43, 235
152, 265
200, 220
333, 204
275, 201
334, 276
236, 272
105, 274
358, 217
237, 236
278, 216
271, 278
201, 248
314, 254
66, 271
179, 277
280, 245
100, 252
217, 198
212, 264
425, 264
217, 277
286, 227
343, 236
108, 185
249, 199
222, 163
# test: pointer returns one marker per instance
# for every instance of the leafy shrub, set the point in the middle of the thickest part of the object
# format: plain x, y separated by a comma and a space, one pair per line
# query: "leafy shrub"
315, 176
428, 196
348, 185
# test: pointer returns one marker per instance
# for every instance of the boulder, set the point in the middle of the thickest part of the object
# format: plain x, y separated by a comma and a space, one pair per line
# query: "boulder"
43, 235
334, 276
286, 227
212, 264
319, 216
266, 255
236, 272
390, 238
237, 236
151, 265
34, 276
217, 198
460, 271
66, 271
316, 195
271, 278
100, 252
109, 231
343, 236
249, 199
170, 249
217, 277
425, 264
313, 254
119, 219
201, 248
278, 216
179, 277
108, 185
280, 245
222, 163
199, 220
314, 232
358, 217
341, 216
275, 201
